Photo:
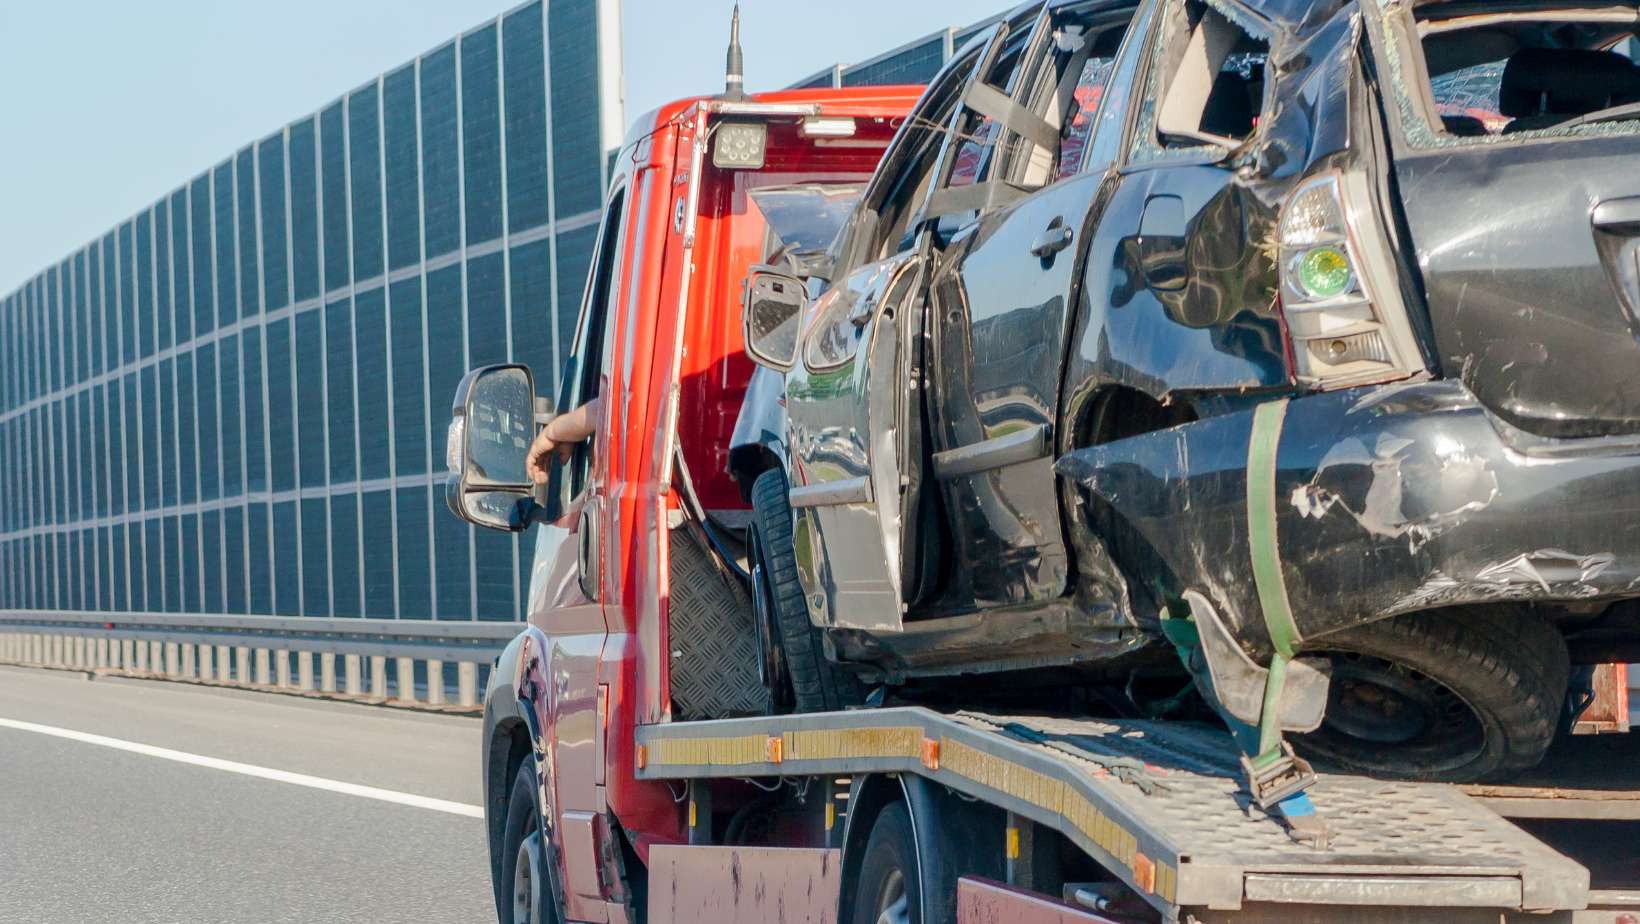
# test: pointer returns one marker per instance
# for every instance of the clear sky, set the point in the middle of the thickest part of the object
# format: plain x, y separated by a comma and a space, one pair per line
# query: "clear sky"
106, 106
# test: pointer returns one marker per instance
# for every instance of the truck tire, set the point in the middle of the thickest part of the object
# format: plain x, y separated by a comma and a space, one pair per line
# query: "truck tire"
1451, 695
529, 872
889, 890
816, 685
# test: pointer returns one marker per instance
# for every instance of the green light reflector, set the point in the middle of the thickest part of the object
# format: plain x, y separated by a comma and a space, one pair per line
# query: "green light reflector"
1325, 272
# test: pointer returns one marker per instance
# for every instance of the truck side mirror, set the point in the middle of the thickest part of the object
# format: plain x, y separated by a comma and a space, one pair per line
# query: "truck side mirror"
771, 314
491, 426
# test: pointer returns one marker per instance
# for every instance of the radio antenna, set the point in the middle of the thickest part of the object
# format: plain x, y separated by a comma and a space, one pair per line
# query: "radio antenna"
734, 77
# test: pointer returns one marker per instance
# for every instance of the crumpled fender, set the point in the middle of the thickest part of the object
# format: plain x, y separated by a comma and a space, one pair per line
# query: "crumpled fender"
1385, 500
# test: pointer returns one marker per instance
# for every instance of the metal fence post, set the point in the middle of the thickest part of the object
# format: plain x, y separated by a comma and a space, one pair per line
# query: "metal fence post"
207, 664
304, 670
264, 666
242, 664
327, 672
173, 659
281, 664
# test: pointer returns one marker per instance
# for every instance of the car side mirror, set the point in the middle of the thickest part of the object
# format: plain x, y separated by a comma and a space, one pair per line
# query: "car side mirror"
492, 424
771, 313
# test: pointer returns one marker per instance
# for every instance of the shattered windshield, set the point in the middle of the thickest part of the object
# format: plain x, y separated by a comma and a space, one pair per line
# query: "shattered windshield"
807, 217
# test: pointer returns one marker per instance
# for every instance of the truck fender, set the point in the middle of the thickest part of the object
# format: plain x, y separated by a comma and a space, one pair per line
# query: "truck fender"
950, 835
503, 720
759, 440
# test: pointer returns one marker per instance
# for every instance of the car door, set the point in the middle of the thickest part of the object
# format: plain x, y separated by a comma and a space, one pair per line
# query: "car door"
853, 398
1004, 292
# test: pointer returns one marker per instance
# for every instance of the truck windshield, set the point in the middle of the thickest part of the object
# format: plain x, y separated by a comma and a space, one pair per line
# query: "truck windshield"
806, 217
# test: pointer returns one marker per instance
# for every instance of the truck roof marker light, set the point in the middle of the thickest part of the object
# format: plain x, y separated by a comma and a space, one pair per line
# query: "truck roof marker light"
931, 753
827, 127
643, 756
775, 750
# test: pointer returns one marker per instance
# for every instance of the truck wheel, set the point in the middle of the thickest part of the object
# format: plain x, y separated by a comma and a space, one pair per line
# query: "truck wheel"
889, 890
816, 684
528, 868
1453, 695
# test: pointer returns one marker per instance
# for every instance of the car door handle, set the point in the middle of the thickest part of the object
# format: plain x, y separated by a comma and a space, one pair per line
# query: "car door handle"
1617, 215
1053, 239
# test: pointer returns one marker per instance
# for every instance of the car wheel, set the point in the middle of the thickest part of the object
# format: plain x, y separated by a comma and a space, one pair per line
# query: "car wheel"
528, 868
889, 888
815, 684
1453, 695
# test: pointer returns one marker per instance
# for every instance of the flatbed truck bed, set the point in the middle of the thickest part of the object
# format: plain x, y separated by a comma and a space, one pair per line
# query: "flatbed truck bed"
1162, 807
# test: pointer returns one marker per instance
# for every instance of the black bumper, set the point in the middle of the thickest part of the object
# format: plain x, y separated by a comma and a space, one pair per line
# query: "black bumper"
1387, 500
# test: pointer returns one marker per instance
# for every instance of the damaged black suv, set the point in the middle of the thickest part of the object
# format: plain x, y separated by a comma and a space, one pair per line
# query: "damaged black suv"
1295, 346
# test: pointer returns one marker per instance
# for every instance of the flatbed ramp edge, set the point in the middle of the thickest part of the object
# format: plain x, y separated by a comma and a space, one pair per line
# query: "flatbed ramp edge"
1160, 805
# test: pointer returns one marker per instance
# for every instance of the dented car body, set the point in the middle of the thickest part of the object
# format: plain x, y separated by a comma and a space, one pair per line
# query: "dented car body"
1293, 317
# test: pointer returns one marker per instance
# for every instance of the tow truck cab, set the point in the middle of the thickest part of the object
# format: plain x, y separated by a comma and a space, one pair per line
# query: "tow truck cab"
635, 614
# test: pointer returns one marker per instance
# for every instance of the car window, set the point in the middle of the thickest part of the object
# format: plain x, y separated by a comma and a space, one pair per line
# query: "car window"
1206, 87
1073, 60
1538, 71
894, 196
1110, 125
589, 357
976, 134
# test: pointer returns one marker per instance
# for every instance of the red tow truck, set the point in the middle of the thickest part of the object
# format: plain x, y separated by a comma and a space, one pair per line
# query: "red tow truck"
636, 766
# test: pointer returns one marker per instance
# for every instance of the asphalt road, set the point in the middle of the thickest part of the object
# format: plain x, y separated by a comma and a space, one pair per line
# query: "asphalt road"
90, 832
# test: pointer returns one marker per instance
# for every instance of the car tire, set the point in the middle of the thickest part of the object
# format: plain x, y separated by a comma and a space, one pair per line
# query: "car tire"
529, 872
816, 685
1452, 695
889, 887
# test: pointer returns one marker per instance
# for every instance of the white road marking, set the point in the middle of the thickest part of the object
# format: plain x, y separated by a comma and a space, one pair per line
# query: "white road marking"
266, 773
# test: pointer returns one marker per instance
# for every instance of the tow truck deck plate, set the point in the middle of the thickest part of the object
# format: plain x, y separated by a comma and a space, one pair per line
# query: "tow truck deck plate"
1161, 805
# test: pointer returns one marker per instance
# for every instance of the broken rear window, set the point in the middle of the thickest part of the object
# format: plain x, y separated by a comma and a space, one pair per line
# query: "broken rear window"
1543, 69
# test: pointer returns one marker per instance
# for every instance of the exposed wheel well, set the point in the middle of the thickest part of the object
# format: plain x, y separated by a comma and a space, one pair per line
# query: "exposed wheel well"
1118, 412
746, 463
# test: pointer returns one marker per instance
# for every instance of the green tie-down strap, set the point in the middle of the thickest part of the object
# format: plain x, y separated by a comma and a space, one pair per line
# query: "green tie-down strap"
1267, 576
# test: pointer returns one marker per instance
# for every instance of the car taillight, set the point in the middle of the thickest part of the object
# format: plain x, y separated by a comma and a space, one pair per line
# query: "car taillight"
1338, 288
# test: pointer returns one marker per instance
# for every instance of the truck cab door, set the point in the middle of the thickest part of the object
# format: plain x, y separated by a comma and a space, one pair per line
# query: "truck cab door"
1020, 199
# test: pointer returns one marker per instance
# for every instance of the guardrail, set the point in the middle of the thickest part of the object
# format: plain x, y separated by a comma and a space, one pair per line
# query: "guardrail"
292, 654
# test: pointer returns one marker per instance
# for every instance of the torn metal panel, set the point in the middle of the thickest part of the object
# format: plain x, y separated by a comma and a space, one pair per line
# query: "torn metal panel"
1390, 500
